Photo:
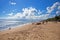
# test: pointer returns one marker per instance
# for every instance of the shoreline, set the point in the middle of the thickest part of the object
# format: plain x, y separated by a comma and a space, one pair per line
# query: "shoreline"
19, 26
12, 28
49, 31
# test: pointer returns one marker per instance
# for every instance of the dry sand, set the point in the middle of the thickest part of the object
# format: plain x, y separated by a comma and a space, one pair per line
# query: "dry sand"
49, 31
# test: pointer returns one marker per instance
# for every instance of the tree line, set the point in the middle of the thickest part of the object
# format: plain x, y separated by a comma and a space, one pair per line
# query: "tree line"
56, 18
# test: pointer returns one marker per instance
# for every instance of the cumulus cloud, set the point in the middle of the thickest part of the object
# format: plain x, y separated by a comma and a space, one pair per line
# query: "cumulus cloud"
57, 12
28, 13
50, 9
12, 3
10, 14
16, 16
33, 13
39, 12
58, 7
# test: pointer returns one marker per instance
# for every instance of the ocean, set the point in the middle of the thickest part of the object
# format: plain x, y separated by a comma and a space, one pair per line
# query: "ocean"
11, 23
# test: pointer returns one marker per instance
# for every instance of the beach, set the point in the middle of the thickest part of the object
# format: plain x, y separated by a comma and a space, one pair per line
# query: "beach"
47, 31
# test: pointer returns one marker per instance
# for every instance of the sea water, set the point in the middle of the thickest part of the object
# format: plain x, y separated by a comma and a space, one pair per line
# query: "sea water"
12, 23
9, 23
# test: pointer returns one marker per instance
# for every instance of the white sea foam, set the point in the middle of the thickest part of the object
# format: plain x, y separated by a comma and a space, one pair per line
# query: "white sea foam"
5, 24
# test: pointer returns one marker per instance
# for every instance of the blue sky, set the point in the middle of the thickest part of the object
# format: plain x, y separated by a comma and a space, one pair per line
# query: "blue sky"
29, 9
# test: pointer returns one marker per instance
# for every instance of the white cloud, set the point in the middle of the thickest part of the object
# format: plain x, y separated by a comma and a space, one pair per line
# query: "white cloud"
28, 13
50, 9
39, 12
33, 13
57, 12
58, 7
11, 14
16, 16
12, 3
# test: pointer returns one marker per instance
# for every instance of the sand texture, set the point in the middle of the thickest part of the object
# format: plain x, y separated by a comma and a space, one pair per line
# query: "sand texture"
49, 31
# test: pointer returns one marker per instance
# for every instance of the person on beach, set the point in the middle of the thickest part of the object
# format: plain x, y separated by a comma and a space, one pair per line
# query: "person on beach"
46, 21
43, 22
9, 28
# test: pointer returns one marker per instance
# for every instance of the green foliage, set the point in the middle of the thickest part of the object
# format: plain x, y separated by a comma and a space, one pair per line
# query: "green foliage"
56, 18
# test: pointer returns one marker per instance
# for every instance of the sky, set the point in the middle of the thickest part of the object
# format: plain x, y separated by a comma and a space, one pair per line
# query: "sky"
29, 9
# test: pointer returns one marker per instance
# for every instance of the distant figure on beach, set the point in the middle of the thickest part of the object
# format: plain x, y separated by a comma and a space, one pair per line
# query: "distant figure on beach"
33, 23
46, 21
9, 28
43, 22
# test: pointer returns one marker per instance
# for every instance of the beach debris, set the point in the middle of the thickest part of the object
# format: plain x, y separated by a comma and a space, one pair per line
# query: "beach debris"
38, 23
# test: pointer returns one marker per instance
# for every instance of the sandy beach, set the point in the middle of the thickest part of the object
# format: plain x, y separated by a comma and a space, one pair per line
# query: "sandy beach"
49, 31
